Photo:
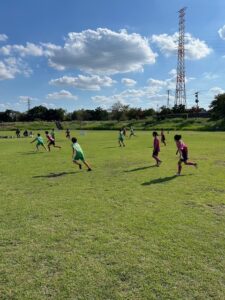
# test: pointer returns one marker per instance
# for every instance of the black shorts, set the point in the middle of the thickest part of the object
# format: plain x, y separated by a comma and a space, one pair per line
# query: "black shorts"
155, 153
51, 143
184, 156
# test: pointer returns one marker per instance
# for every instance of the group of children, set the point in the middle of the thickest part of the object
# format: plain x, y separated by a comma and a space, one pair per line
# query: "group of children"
78, 154
122, 135
182, 149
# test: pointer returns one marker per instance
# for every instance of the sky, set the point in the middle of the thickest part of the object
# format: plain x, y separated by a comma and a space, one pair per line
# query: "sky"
85, 54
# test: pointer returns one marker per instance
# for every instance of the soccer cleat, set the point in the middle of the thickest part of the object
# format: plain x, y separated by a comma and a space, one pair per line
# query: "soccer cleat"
80, 166
178, 174
89, 170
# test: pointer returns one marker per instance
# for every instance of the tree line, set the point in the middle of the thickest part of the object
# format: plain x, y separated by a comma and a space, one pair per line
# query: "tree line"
118, 111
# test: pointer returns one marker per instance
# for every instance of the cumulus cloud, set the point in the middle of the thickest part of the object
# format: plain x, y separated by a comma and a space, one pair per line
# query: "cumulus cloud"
63, 94
11, 66
216, 90
130, 97
102, 51
3, 37
221, 32
29, 50
92, 83
194, 48
128, 81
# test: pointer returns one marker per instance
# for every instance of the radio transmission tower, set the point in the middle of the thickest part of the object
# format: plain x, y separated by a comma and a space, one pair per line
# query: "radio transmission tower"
180, 97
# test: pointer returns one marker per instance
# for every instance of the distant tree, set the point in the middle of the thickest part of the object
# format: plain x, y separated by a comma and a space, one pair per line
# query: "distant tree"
217, 107
37, 113
179, 109
119, 111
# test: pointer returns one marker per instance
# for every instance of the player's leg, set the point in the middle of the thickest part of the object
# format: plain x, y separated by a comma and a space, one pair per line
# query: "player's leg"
87, 165
179, 167
77, 163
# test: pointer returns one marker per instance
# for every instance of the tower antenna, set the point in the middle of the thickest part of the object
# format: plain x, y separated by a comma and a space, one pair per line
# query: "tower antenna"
180, 96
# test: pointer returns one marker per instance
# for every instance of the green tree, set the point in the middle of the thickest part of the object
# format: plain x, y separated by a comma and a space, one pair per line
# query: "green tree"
217, 107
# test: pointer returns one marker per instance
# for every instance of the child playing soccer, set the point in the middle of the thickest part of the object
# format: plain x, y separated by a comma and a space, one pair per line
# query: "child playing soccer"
51, 141
131, 132
121, 138
78, 154
40, 142
183, 151
163, 138
67, 133
156, 148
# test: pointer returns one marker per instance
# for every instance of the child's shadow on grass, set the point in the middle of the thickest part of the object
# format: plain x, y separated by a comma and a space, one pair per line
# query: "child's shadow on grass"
159, 180
53, 175
139, 169
31, 152
162, 180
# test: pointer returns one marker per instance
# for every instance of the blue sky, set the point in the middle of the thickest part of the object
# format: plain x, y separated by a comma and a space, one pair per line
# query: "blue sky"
89, 53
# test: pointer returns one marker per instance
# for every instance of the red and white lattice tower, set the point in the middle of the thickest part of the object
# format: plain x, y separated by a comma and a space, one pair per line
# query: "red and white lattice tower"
180, 96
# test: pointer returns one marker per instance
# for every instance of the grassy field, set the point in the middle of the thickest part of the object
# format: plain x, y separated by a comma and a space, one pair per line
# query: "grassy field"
127, 230
193, 124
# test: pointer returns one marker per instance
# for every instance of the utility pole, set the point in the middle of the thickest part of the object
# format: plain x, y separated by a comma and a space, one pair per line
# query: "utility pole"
28, 103
180, 96
196, 100
168, 98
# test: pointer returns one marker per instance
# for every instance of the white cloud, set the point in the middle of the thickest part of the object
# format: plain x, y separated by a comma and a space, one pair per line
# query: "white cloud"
24, 99
11, 66
93, 82
216, 90
194, 48
209, 76
63, 94
29, 50
102, 51
128, 81
3, 37
48, 105
221, 32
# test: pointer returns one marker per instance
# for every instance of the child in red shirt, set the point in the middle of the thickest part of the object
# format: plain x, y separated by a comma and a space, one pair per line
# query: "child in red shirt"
156, 148
183, 151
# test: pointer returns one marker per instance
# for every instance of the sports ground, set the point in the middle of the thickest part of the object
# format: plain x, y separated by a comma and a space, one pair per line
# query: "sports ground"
126, 230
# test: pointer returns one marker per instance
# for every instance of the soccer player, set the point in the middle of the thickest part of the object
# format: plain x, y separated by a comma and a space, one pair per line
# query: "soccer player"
78, 154
51, 141
163, 138
67, 133
131, 132
39, 141
156, 148
121, 138
53, 134
183, 151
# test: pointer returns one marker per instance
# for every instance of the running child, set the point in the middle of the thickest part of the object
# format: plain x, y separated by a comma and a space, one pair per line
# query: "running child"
67, 133
51, 141
78, 154
156, 148
183, 151
39, 141
163, 138
131, 132
53, 134
121, 138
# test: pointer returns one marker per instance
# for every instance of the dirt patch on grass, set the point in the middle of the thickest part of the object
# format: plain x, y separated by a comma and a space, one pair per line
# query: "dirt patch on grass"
218, 209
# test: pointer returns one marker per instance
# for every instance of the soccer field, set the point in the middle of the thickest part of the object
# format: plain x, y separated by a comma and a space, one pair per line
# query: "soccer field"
127, 230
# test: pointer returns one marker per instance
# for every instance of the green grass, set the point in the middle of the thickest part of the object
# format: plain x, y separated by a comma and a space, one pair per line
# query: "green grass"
198, 124
127, 230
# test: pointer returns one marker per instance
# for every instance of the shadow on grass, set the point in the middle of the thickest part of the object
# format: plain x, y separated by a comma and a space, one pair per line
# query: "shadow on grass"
53, 175
139, 169
32, 152
164, 179
159, 180
111, 147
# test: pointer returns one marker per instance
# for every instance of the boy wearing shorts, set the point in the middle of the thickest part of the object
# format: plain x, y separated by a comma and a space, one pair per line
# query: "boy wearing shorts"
39, 141
78, 154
